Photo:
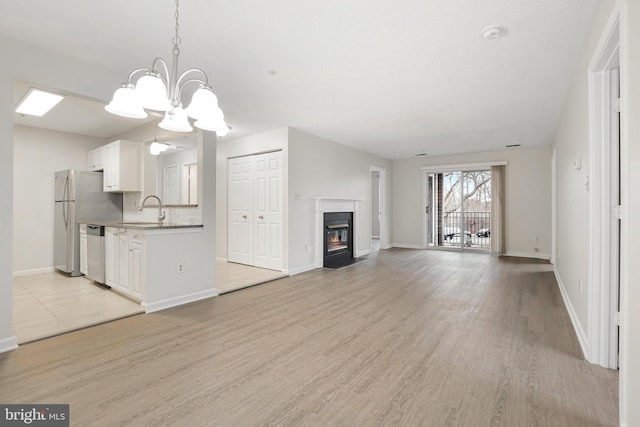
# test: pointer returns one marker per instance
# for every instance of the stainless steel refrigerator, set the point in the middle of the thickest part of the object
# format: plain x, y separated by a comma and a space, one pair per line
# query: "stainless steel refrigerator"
79, 197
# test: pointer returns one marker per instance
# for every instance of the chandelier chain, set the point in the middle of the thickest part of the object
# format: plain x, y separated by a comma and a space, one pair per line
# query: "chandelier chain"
177, 39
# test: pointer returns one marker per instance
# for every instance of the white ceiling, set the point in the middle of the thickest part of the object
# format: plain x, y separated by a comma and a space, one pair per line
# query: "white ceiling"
390, 78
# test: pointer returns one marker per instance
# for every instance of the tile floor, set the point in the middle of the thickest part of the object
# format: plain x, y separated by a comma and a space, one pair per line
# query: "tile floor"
49, 304
52, 303
231, 276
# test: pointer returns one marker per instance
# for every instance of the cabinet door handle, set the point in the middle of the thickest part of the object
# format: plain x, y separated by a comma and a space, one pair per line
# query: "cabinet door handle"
261, 217
244, 217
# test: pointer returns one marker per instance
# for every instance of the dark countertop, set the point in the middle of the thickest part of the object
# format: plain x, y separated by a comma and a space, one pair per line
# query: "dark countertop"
141, 225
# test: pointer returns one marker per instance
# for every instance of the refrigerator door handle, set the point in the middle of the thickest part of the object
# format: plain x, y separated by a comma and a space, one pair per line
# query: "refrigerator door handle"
65, 198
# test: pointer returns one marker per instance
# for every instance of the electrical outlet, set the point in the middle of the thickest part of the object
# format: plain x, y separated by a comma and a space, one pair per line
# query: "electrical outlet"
180, 268
580, 286
192, 220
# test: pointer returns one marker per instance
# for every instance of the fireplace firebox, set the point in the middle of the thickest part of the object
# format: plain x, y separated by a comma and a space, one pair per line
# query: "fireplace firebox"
338, 239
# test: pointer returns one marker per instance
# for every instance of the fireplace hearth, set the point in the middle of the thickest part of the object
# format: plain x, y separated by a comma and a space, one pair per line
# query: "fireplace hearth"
338, 239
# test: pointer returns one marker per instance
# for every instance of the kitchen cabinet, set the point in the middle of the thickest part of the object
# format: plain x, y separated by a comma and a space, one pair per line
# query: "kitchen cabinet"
110, 256
84, 263
136, 253
122, 166
123, 260
124, 252
96, 159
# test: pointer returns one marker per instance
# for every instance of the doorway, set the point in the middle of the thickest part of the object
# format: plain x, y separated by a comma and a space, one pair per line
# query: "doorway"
190, 184
377, 208
458, 210
604, 200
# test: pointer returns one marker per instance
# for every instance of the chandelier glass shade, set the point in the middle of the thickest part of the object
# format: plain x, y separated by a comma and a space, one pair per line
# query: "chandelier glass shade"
158, 89
158, 147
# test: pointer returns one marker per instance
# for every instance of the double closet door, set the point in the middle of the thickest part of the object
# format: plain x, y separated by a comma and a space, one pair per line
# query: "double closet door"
255, 210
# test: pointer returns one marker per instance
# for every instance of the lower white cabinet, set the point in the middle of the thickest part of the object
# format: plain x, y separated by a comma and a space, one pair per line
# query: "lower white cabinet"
124, 252
136, 251
84, 263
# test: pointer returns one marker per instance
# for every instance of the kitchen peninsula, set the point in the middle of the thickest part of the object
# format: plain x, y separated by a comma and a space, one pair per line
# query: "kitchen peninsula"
150, 263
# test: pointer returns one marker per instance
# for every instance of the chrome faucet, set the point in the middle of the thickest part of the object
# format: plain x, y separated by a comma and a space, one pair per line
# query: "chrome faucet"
160, 213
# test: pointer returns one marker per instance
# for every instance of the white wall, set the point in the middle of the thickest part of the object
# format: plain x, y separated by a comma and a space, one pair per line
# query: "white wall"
571, 142
38, 154
7, 340
267, 141
630, 272
322, 168
527, 198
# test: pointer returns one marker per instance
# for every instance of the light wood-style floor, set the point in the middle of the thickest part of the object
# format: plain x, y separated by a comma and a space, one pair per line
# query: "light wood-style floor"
407, 338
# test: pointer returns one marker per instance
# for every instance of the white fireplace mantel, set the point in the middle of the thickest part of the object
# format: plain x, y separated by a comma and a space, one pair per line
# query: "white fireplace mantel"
328, 204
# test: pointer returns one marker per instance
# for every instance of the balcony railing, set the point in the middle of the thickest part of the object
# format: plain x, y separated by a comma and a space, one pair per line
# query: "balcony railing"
476, 226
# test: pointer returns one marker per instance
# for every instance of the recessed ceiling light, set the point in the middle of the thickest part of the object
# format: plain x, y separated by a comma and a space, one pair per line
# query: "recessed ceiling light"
38, 102
492, 32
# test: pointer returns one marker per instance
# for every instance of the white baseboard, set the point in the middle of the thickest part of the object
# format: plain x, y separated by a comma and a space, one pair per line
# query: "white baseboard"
405, 246
8, 344
528, 255
33, 271
174, 302
385, 246
221, 259
303, 269
362, 253
582, 337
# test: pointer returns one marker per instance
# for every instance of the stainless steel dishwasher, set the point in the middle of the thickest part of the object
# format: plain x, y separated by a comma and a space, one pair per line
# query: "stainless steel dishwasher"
95, 253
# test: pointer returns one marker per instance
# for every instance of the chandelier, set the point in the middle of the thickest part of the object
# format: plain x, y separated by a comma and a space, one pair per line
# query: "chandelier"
159, 89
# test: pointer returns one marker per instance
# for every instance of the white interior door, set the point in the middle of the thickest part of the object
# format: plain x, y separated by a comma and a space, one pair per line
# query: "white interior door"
255, 202
171, 182
240, 215
192, 180
268, 210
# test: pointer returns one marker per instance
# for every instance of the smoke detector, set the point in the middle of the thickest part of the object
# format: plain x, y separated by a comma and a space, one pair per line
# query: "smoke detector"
492, 32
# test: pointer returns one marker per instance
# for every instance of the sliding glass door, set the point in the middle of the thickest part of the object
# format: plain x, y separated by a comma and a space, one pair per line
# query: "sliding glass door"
458, 211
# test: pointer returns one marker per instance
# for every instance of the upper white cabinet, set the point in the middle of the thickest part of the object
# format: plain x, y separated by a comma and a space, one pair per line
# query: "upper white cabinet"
122, 166
96, 159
